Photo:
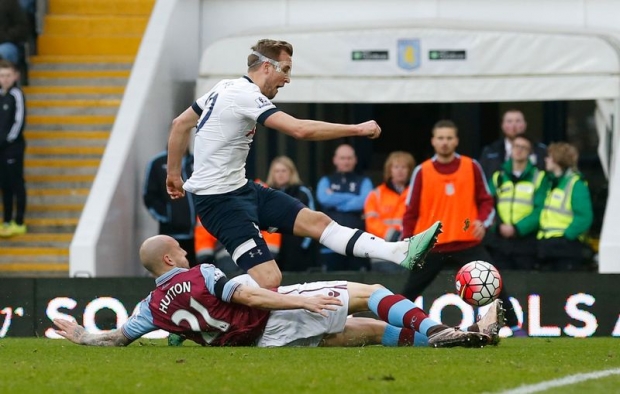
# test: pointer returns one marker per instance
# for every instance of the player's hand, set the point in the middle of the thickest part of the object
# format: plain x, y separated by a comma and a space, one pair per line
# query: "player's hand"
370, 129
174, 187
322, 303
478, 230
69, 329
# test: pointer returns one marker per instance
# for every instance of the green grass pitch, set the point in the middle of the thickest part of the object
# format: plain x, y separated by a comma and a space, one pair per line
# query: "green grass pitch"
58, 366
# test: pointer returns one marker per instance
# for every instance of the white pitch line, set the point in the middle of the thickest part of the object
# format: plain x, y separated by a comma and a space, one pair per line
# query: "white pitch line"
565, 381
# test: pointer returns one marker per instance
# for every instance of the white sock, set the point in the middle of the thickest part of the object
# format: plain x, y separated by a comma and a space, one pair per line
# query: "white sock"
337, 237
369, 245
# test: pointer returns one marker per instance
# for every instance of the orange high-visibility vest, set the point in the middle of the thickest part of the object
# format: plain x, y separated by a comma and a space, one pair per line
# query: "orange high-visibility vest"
204, 242
450, 198
384, 209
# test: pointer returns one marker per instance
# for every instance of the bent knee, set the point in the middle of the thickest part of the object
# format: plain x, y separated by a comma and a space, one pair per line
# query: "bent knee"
311, 223
321, 218
267, 275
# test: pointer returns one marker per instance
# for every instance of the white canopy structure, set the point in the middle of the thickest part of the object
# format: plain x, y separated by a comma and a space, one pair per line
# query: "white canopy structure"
433, 62
395, 65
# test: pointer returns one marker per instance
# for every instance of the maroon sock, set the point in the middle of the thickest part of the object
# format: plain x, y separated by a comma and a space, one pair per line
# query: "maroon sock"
406, 337
412, 316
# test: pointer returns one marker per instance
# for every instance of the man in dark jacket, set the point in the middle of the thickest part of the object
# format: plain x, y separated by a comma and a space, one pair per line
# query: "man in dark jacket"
495, 154
177, 218
13, 29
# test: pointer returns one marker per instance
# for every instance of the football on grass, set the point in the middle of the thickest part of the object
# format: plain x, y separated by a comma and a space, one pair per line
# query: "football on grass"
478, 283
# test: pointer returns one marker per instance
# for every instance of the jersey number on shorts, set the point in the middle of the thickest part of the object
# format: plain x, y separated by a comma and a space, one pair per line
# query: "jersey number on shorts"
191, 318
212, 98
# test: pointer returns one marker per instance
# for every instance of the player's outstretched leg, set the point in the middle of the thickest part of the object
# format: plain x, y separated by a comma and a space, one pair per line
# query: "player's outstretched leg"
353, 242
491, 322
419, 246
452, 336
399, 311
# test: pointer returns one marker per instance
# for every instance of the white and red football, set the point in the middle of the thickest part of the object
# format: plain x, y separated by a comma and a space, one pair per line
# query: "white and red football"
478, 283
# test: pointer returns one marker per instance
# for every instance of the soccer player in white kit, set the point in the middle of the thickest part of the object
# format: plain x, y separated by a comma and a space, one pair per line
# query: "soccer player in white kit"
234, 209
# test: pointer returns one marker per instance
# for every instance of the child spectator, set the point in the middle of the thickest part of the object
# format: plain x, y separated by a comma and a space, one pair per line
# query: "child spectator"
12, 148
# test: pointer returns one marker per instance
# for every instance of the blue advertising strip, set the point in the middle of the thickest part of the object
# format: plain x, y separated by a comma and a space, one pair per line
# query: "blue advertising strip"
548, 304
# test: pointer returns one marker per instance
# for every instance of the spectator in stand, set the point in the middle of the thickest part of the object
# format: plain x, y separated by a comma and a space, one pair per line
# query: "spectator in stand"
567, 213
29, 6
342, 196
296, 253
385, 205
14, 30
176, 218
451, 187
519, 189
495, 154
12, 149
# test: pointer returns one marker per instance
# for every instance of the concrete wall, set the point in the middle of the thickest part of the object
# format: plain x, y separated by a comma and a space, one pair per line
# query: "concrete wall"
114, 220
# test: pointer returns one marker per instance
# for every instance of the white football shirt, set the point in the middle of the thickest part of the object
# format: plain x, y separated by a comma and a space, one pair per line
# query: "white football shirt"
224, 133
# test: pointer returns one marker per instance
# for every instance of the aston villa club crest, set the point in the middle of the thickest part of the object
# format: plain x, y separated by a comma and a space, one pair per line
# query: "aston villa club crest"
409, 54
449, 189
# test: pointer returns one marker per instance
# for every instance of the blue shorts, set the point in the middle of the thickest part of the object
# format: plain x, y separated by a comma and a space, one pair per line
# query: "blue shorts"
234, 218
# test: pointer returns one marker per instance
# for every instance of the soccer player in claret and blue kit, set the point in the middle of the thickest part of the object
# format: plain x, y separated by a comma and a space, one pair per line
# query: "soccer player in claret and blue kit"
203, 305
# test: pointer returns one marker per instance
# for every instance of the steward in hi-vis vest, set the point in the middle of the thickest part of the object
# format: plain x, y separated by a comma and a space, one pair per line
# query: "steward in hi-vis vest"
385, 205
567, 213
519, 189
383, 211
558, 217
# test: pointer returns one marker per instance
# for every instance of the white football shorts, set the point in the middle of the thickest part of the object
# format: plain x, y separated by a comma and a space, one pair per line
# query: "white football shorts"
299, 327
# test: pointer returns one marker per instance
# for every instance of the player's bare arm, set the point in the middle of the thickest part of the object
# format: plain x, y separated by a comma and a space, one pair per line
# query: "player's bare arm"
77, 334
257, 297
177, 145
313, 130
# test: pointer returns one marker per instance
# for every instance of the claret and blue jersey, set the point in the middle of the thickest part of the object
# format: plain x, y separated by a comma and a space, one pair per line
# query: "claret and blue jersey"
196, 302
